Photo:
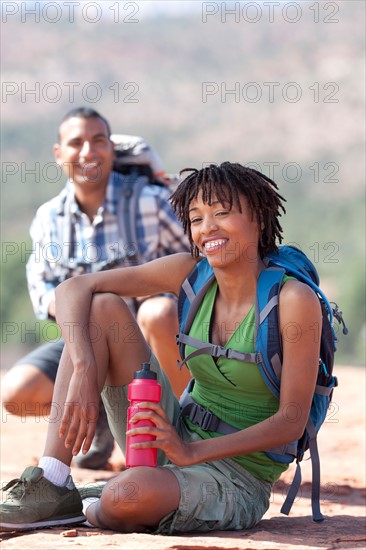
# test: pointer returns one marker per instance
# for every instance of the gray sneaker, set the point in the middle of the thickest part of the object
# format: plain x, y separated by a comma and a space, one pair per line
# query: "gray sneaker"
34, 502
101, 448
89, 493
92, 490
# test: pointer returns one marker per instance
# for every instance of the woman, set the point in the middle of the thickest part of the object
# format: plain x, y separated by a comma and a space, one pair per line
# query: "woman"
212, 481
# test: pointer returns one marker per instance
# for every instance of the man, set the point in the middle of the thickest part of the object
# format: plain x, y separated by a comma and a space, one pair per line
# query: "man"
80, 231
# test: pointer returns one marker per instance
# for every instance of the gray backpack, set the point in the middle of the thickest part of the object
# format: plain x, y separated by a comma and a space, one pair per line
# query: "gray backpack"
141, 165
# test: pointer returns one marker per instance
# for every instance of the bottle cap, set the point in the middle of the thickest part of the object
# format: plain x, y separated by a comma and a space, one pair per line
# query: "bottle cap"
145, 372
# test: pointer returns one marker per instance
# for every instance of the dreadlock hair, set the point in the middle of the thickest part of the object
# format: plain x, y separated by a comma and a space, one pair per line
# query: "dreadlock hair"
226, 183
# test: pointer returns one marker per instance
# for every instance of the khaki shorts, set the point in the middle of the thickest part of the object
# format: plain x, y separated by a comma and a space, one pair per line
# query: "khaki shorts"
218, 495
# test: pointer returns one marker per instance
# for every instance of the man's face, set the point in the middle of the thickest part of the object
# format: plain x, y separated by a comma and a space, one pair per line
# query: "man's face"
85, 152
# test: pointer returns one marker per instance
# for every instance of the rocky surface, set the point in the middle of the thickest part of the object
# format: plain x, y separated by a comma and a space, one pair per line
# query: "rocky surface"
342, 448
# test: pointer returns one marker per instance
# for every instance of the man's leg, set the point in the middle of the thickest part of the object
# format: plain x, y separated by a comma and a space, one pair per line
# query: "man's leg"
27, 390
158, 320
27, 387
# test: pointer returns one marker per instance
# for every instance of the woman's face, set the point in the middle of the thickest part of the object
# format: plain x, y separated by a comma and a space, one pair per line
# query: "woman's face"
222, 235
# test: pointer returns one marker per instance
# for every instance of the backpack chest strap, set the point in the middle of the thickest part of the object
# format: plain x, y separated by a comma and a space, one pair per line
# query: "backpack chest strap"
202, 417
206, 348
209, 421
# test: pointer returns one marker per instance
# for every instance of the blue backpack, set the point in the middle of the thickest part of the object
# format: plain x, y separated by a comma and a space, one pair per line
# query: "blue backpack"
268, 356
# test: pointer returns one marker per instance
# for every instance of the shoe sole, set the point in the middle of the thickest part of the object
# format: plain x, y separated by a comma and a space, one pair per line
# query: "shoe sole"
42, 524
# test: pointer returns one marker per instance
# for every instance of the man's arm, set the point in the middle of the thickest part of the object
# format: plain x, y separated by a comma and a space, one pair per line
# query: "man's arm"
40, 275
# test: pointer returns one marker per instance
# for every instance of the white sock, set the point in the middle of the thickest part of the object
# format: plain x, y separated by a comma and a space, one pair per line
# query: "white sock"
54, 470
86, 503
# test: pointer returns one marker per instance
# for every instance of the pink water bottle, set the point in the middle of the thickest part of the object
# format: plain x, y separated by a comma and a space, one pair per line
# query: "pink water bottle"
144, 387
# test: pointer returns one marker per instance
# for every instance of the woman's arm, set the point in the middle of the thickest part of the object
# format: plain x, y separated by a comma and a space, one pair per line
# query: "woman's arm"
300, 322
74, 296
74, 299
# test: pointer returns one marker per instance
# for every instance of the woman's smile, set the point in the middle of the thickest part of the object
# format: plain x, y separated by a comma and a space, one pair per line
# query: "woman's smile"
213, 245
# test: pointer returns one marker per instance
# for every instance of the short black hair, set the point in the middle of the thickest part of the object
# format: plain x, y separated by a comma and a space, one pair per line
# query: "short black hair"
84, 112
226, 182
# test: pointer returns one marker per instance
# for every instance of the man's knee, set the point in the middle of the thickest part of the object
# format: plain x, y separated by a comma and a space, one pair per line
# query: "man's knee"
158, 315
24, 386
12, 386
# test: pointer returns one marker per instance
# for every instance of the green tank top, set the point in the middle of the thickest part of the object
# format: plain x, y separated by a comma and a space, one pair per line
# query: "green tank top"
233, 390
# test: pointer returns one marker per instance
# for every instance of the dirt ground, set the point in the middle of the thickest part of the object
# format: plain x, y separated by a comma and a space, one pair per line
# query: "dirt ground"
342, 449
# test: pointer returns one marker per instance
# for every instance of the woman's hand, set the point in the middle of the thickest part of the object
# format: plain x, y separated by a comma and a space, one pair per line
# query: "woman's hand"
81, 412
167, 439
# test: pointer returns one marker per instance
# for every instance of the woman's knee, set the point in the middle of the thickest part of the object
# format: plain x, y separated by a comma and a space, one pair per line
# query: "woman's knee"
106, 302
122, 501
108, 308
139, 498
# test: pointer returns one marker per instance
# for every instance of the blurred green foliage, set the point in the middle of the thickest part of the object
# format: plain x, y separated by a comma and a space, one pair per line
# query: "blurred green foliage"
170, 60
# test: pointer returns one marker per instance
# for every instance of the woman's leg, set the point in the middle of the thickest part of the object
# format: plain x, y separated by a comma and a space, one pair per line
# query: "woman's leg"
119, 349
137, 499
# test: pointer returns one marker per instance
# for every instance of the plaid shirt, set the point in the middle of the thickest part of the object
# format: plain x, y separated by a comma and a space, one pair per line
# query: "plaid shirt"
67, 243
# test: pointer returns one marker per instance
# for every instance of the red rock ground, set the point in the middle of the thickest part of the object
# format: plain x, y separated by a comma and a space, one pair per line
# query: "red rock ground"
342, 448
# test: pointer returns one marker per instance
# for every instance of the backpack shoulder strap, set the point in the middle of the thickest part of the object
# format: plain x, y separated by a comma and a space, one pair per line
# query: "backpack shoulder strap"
63, 238
267, 330
192, 292
315, 484
268, 352
127, 214
190, 297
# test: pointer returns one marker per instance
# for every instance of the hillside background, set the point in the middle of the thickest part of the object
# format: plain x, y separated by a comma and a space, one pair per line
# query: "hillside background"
279, 85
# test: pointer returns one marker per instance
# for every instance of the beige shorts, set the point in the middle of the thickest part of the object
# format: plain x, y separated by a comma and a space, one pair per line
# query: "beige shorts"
219, 495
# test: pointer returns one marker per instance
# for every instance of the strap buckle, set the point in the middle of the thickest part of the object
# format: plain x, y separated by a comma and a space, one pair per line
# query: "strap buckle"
220, 351
205, 419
